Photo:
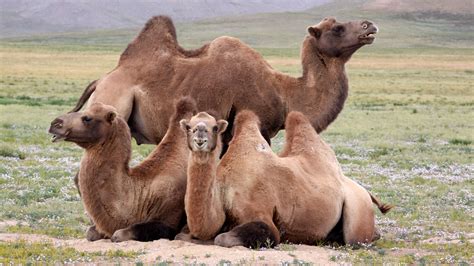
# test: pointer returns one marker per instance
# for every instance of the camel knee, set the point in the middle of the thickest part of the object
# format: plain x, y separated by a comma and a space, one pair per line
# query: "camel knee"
253, 235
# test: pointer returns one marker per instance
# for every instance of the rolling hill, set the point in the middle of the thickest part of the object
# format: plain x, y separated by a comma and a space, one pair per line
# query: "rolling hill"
420, 26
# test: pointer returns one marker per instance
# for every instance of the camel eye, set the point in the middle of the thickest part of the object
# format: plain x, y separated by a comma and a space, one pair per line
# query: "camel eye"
86, 119
365, 26
214, 129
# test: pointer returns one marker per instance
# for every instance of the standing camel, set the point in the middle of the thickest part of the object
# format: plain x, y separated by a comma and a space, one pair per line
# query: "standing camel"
228, 76
254, 197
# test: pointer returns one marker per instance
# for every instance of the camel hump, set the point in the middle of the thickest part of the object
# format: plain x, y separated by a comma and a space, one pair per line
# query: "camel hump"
246, 121
298, 126
384, 208
158, 33
295, 119
246, 117
185, 105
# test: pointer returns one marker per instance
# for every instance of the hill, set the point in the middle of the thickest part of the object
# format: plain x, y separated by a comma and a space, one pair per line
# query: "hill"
398, 29
24, 17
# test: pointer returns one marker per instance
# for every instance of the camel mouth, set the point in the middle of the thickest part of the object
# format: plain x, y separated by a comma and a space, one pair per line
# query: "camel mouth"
57, 137
369, 36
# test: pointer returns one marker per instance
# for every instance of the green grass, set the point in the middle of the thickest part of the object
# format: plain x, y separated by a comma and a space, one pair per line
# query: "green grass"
21, 252
405, 132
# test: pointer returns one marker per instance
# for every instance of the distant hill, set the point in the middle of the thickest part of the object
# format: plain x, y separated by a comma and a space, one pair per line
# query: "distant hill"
26, 17
423, 6
425, 26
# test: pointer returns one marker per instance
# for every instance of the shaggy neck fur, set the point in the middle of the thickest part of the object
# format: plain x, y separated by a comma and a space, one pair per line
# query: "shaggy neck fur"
204, 207
322, 90
104, 175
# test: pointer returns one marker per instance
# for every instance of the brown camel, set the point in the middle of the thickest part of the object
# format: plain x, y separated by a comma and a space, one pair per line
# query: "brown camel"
228, 76
300, 196
143, 203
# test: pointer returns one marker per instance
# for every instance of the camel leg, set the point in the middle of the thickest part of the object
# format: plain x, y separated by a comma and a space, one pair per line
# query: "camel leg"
253, 234
358, 215
144, 232
93, 235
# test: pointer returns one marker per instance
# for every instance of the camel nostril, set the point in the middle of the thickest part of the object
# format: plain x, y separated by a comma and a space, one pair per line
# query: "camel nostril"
57, 123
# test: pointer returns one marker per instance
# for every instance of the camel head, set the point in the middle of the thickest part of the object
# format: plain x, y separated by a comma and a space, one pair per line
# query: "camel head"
85, 128
341, 40
203, 132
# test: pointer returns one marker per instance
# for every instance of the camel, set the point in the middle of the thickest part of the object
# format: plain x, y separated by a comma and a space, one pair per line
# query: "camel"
227, 76
142, 203
253, 197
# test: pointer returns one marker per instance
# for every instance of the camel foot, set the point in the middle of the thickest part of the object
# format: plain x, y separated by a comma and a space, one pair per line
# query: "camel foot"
188, 238
144, 232
93, 235
122, 235
253, 235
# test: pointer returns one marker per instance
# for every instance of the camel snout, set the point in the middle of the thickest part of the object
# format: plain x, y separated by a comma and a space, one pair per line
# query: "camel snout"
57, 123
200, 143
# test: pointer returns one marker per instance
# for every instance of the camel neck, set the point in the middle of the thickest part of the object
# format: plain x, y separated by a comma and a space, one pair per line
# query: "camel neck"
203, 203
104, 173
322, 90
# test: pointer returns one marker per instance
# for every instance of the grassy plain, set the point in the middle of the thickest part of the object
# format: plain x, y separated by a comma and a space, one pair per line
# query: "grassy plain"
406, 133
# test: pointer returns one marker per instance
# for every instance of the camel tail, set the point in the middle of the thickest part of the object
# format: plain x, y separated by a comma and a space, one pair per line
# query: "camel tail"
85, 96
184, 106
384, 208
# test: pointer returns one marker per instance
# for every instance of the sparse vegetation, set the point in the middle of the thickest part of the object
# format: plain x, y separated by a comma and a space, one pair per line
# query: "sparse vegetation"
405, 134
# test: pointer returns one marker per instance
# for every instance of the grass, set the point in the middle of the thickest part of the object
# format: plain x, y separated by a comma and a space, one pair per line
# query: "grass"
21, 252
405, 134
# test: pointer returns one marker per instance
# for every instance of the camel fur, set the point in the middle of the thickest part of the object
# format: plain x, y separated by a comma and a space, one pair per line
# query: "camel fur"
228, 76
253, 196
142, 203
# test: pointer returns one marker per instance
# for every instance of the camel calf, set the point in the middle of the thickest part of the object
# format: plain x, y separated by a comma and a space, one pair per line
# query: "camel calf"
300, 196
142, 203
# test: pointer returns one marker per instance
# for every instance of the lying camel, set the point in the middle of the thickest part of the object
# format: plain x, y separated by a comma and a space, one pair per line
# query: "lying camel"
228, 76
300, 196
142, 203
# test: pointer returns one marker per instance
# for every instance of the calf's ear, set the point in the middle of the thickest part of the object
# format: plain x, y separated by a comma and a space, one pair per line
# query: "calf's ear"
110, 116
184, 124
221, 126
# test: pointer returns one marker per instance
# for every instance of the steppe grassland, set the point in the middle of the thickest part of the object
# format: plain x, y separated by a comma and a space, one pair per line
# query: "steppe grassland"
405, 134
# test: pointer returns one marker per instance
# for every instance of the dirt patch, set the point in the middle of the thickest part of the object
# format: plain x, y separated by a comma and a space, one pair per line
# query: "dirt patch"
183, 252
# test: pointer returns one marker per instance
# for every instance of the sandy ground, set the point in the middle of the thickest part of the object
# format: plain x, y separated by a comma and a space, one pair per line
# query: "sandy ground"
183, 252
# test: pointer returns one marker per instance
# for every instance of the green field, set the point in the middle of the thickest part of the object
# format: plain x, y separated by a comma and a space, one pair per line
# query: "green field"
406, 132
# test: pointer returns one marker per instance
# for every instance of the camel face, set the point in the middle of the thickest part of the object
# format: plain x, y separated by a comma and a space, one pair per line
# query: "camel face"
203, 132
84, 128
336, 39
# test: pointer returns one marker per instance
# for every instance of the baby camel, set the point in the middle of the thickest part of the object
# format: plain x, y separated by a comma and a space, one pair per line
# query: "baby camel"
142, 203
300, 196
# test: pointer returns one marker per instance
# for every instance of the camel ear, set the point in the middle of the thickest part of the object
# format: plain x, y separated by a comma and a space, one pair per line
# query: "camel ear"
221, 126
110, 116
315, 32
184, 125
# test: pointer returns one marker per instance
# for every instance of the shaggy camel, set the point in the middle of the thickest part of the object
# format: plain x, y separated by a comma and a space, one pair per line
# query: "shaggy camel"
143, 203
228, 76
300, 196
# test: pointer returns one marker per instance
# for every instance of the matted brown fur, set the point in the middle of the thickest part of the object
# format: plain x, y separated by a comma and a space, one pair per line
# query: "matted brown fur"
301, 194
228, 76
114, 195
